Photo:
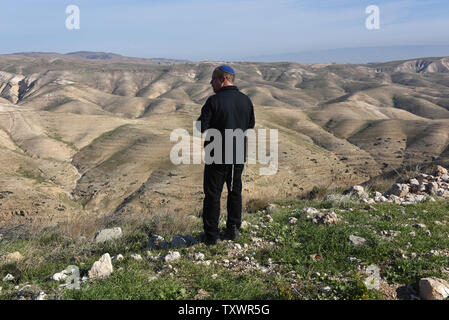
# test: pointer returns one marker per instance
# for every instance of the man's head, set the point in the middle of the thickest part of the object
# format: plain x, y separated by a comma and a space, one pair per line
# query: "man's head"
221, 77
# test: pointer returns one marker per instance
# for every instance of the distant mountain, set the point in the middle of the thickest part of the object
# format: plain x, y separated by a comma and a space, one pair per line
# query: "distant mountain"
103, 57
355, 55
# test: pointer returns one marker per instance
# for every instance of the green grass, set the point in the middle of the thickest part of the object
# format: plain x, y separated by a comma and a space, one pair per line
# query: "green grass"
37, 177
291, 249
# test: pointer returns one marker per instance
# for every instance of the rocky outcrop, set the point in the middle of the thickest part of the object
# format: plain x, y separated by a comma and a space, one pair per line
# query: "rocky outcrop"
420, 188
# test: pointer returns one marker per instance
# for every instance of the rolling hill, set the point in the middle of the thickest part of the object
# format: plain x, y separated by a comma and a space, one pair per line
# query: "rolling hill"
88, 133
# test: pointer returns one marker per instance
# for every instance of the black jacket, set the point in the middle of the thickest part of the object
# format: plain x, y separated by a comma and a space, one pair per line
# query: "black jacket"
228, 109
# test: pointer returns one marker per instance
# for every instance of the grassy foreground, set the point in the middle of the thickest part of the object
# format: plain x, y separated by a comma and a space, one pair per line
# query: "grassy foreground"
273, 259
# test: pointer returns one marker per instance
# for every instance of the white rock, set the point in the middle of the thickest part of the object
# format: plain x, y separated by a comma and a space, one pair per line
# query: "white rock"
206, 263
399, 189
310, 210
420, 197
440, 171
357, 241
101, 268
108, 235
118, 257
264, 269
390, 233
172, 256
199, 256
433, 289
136, 256
432, 187
422, 187
40, 296
359, 191
59, 276
8, 277
292, 220
244, 225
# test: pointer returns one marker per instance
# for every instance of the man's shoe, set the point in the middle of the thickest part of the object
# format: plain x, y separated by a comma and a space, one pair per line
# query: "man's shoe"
230, 234
208, 241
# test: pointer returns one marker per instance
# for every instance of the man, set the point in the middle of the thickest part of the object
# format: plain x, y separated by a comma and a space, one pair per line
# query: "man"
227, 109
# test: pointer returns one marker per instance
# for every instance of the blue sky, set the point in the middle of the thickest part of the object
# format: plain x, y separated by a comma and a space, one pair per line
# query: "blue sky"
219, 30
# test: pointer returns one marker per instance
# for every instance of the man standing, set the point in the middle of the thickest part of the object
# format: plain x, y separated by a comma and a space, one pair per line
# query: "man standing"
227, 109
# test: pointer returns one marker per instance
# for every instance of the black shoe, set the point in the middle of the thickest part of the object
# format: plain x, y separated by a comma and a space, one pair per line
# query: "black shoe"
208, 241
230, 234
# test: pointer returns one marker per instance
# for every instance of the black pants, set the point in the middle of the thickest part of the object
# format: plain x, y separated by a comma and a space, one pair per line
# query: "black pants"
215, 175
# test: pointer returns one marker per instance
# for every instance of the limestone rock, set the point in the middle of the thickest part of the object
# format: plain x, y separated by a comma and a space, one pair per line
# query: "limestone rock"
244, 225
399, 189
357, 241
59, 276
433, 289
292, 220
310, 211
40, 296
172, 256
108, 235
136, 257
101, 268
359, 192
439, 171
199, 256
8, 277
118, 257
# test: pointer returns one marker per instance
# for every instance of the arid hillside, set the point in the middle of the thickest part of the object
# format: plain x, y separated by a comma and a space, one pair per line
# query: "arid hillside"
89, 133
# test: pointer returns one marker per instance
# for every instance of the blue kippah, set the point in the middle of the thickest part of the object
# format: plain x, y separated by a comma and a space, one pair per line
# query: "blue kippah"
227, 69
